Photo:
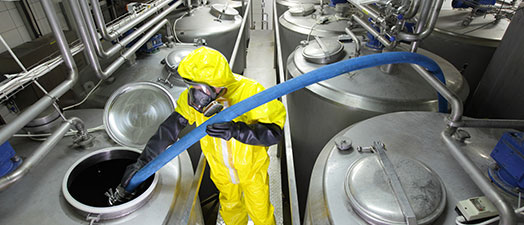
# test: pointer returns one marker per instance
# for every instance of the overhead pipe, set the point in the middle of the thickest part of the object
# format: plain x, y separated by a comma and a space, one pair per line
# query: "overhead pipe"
433, 17
320, 74
90, 48
41, 151
372, 13
128, 39
375, 33
412, 11
43, 103
421, 23
119, 29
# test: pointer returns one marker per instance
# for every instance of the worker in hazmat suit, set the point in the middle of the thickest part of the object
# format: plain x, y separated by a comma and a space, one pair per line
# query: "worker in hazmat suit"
236, 150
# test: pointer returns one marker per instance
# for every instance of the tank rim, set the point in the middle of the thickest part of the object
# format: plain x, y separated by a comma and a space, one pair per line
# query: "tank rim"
111, 212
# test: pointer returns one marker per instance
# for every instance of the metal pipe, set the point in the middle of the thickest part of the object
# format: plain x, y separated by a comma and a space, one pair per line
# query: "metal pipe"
288, 147
116, 30
193, 192
455, 116
356, 41
373, 32
429, 28
128, 39
39, 153
239, 36
47, 100
507, 215
415, 4
90, 49
421, 24
372, 13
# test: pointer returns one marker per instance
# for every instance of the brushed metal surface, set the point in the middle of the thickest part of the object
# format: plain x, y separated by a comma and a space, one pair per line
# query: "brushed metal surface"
319, 111
37, 198
219, 32
411, 135
134, 112
296, 28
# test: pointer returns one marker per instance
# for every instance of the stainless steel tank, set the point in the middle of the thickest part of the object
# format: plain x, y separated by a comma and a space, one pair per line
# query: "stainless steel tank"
283, 5
218, 25
469, 48
350, 187
235, 4
319, 111
55, 191
300, 22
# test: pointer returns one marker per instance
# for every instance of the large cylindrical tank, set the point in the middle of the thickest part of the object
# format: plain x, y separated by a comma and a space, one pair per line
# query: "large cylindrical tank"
58, 187
298, 23
350, 187
283, 5
469, 48
319, 111
218, 25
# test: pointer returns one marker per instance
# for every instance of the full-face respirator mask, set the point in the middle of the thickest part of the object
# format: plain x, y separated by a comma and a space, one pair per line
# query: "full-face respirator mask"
203, 98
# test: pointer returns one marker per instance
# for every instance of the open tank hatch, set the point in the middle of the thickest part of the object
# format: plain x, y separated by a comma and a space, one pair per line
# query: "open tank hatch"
90, 177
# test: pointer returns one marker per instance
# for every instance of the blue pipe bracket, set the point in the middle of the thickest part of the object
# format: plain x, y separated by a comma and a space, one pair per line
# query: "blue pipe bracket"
8, 160
320, 74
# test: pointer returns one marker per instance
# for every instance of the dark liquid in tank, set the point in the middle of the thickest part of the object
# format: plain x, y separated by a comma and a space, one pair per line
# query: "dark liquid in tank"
90, 184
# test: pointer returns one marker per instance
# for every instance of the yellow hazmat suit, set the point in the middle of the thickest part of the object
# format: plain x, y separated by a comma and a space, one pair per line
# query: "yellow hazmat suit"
238, 170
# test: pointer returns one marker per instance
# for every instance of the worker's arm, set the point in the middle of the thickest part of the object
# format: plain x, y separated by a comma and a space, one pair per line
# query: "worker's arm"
166, 135
262, 134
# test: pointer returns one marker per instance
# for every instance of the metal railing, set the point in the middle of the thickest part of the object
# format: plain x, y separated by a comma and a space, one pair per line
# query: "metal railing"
288, 147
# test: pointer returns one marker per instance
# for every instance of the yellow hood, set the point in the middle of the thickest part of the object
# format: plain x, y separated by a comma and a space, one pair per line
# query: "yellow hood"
205, 65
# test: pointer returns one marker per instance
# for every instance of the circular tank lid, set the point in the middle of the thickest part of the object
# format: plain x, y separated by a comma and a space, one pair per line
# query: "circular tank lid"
323, 51
372, 197
224, 12
375, 90
176, 56
133, 112
325, 25
302, 9
482, 29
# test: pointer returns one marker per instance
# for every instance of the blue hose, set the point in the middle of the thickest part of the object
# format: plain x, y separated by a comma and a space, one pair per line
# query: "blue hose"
323, 73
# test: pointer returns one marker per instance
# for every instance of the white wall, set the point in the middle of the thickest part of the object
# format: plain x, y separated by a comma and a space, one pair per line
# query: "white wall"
41, 18
11, 26
13, 29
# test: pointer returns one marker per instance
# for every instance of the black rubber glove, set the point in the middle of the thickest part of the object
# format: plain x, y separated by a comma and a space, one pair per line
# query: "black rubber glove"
262, 134
166, 135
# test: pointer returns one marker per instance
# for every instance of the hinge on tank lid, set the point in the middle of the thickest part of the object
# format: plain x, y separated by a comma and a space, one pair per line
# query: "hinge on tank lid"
93, 218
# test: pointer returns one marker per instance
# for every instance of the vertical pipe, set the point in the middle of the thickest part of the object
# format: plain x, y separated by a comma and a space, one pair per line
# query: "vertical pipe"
507, 215
30, 113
